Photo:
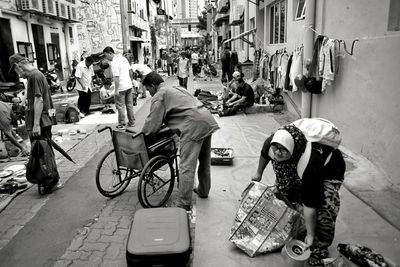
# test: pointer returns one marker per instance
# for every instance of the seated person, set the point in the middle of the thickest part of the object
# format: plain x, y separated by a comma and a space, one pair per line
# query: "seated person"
139, 73
107, 94
6, 117
231, 87
243, 98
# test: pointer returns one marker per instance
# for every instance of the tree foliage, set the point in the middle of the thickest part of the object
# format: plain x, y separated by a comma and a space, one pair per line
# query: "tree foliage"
202, 25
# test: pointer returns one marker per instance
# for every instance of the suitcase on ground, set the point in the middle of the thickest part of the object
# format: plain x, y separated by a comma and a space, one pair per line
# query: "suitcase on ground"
159, 237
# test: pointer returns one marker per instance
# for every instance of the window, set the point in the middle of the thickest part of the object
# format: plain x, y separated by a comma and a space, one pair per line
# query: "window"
278, 22
26, 50
394, 16
50, 6
52, 52
300, 10
71, 35
189, 27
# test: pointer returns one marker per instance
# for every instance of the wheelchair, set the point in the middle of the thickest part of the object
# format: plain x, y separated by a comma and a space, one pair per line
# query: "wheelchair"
154, 161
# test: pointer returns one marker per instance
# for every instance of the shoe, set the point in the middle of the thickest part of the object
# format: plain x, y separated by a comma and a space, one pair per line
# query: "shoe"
19, 138
121, 127
197, 193
81, 115
222, 113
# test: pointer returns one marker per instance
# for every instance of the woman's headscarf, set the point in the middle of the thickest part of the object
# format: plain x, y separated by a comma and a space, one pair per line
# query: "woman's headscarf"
287, 180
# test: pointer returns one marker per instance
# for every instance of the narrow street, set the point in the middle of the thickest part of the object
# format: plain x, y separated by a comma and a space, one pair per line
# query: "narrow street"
77, 226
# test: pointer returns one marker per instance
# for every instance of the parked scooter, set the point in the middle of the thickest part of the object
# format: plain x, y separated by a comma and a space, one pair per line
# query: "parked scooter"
72, 80
53, 80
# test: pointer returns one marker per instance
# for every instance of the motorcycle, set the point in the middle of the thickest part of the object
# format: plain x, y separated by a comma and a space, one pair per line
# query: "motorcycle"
53, 80
72, 80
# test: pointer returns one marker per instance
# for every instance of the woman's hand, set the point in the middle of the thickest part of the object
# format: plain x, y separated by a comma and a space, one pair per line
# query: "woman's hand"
309, 240
256, 177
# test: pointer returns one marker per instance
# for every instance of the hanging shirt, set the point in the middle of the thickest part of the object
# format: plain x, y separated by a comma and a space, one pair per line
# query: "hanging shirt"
181, 112
297, 67
327, 62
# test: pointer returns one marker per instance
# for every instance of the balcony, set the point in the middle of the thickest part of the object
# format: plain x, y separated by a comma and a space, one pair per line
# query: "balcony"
64, 10
223, 6
31, 6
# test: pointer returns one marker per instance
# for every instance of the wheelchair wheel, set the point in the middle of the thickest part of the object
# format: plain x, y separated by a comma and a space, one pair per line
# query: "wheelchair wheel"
111, 181
156, 182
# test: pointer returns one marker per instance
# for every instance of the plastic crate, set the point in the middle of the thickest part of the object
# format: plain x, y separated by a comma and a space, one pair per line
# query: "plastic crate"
225, 159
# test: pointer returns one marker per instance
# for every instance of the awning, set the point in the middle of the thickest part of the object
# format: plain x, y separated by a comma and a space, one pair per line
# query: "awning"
219, 18
242, 35
136, 39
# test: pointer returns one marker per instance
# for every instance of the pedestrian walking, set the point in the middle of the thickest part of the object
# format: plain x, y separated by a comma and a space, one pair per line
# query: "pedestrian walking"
123, 94
195, 63
226, 63
84, 75
181, 112
170, 62
183, 69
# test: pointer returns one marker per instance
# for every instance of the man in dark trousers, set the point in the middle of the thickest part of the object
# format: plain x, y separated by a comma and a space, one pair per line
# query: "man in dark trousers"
39, 103
226, 62
84, 75
184, 114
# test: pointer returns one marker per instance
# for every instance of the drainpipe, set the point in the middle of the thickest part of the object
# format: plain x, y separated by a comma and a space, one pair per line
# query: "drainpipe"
306, 98
246, 28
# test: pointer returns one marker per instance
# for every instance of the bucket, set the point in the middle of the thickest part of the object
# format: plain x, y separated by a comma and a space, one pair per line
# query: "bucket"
295, 254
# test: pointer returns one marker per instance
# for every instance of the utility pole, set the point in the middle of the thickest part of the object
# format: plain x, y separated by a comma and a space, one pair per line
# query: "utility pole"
124, 22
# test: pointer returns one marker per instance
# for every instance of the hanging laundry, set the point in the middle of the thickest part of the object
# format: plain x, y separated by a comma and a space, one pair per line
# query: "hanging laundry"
288, 85
282, 70
256, 66
297, 67
314, 65
327, 62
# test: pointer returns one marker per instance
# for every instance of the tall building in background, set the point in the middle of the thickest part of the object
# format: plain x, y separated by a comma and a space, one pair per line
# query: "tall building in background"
185, 23
187, 9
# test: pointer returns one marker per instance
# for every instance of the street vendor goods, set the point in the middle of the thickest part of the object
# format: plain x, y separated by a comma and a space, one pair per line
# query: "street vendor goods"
221, 156
159, 237
362, 256
263, 223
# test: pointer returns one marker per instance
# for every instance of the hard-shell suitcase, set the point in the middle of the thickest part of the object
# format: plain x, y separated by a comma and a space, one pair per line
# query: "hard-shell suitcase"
159, 237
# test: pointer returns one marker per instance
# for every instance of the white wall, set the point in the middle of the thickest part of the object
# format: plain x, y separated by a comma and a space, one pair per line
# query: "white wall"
364, 100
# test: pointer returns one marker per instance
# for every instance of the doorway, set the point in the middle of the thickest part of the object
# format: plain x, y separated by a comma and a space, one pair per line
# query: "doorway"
7, 49
55, 39
40, 47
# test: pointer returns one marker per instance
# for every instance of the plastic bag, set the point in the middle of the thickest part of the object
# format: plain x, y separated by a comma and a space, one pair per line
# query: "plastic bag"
263, 223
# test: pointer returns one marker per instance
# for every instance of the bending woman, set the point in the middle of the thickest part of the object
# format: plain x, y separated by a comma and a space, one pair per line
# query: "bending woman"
317, 191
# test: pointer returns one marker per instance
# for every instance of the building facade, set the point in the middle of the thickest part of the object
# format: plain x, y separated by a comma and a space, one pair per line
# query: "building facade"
43, 31
184, 23
363, 99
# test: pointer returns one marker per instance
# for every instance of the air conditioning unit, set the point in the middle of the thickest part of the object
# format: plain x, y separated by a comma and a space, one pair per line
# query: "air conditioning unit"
49, 7
62, 11
31, 5
72, 13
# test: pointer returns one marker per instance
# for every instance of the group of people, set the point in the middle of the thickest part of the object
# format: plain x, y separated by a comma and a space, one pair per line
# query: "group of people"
121, 85
315, 192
